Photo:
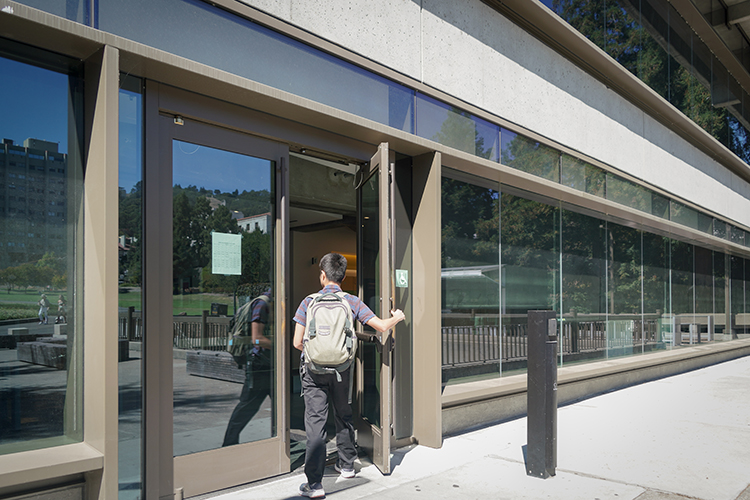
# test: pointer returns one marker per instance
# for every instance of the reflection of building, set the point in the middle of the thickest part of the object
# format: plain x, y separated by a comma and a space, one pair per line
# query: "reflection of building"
32, 201
215, 203
255, 223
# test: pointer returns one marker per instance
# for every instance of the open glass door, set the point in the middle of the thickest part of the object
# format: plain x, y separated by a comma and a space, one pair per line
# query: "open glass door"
374, 386
227, 244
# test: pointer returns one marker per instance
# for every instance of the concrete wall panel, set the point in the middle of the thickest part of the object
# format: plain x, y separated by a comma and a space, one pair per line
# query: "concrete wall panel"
385, 31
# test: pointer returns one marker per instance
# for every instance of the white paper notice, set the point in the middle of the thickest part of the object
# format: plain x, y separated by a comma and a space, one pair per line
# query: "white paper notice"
226, 253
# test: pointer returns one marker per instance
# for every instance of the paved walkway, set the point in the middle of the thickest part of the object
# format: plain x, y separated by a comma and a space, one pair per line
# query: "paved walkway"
686, 436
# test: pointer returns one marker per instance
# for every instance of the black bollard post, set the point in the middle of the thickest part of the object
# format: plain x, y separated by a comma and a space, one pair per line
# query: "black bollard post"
541, 451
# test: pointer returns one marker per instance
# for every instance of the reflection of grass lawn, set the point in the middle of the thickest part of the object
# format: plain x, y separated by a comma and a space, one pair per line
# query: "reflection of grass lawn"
18, 311
28, 297
23, 304
190, 304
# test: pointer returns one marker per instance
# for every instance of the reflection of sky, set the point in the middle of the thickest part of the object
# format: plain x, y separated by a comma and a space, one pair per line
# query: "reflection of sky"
35, 104
210, 168
131, 139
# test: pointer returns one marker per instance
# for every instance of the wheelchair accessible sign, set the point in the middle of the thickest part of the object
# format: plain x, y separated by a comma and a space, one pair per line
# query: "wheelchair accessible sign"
402, 278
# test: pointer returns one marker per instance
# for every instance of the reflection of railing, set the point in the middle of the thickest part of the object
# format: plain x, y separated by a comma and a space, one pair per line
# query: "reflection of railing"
130, 325
188, 332
580, 337
201, 332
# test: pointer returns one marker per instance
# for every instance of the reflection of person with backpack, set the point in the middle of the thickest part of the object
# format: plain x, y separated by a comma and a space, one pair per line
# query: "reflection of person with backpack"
251, 349
322, 329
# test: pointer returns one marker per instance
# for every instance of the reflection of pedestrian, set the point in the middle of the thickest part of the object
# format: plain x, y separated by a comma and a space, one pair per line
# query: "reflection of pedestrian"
43, 309
250, 323
62, 315
320, 389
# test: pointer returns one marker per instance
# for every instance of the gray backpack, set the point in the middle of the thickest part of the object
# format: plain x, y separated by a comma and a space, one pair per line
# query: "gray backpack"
329, 344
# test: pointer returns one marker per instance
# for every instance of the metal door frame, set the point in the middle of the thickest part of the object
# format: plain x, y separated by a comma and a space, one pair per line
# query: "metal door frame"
163, 473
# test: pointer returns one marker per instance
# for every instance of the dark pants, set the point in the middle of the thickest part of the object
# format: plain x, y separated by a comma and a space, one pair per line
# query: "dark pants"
254, 391
318, 390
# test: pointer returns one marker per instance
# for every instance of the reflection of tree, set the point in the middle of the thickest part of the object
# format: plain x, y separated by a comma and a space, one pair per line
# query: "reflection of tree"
131, 206
459, 131
49, 270
247, 202
192, 226
470, 233
256, 266
612, 27
530, 156
601, 262
624, 254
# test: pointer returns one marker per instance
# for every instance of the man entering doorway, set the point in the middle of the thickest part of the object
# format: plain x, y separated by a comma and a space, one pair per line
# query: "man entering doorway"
319, 389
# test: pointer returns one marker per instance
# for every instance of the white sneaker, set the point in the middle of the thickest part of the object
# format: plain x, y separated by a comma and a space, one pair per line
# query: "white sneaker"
345, 473
314, 491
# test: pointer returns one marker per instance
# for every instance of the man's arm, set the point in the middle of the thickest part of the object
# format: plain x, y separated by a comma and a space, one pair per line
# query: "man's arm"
299, 333
383, 325
256, 331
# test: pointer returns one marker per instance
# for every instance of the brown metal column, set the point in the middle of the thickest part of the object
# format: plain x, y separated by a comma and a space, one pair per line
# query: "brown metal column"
426, 320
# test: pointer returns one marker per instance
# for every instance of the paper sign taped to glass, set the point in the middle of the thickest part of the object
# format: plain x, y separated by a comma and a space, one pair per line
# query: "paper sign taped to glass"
226, 253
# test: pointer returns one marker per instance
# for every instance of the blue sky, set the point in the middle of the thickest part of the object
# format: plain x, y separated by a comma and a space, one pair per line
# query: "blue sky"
202, 166
35, 104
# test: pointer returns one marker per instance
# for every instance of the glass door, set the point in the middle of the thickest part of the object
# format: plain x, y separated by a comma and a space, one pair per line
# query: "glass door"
375, 274
226, 241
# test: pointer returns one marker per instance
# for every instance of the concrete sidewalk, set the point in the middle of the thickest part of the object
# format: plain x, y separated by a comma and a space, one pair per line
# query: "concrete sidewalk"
686, 436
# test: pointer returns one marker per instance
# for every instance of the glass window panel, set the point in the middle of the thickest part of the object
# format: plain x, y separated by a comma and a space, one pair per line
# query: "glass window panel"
530, 264
659, 206
41, 260
455, 128
628, 193
529, 156
705, 223
656, 285
736, 235
212, 36
721, 293
737, 291
720, 229
704, 289
371, 286
684, 215
220, 271
582, 176
470, 277
73, 10
130, 322
584, 283
683, 291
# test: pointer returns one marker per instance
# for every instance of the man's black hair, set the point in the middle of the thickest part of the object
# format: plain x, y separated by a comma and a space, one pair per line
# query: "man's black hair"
334, 265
